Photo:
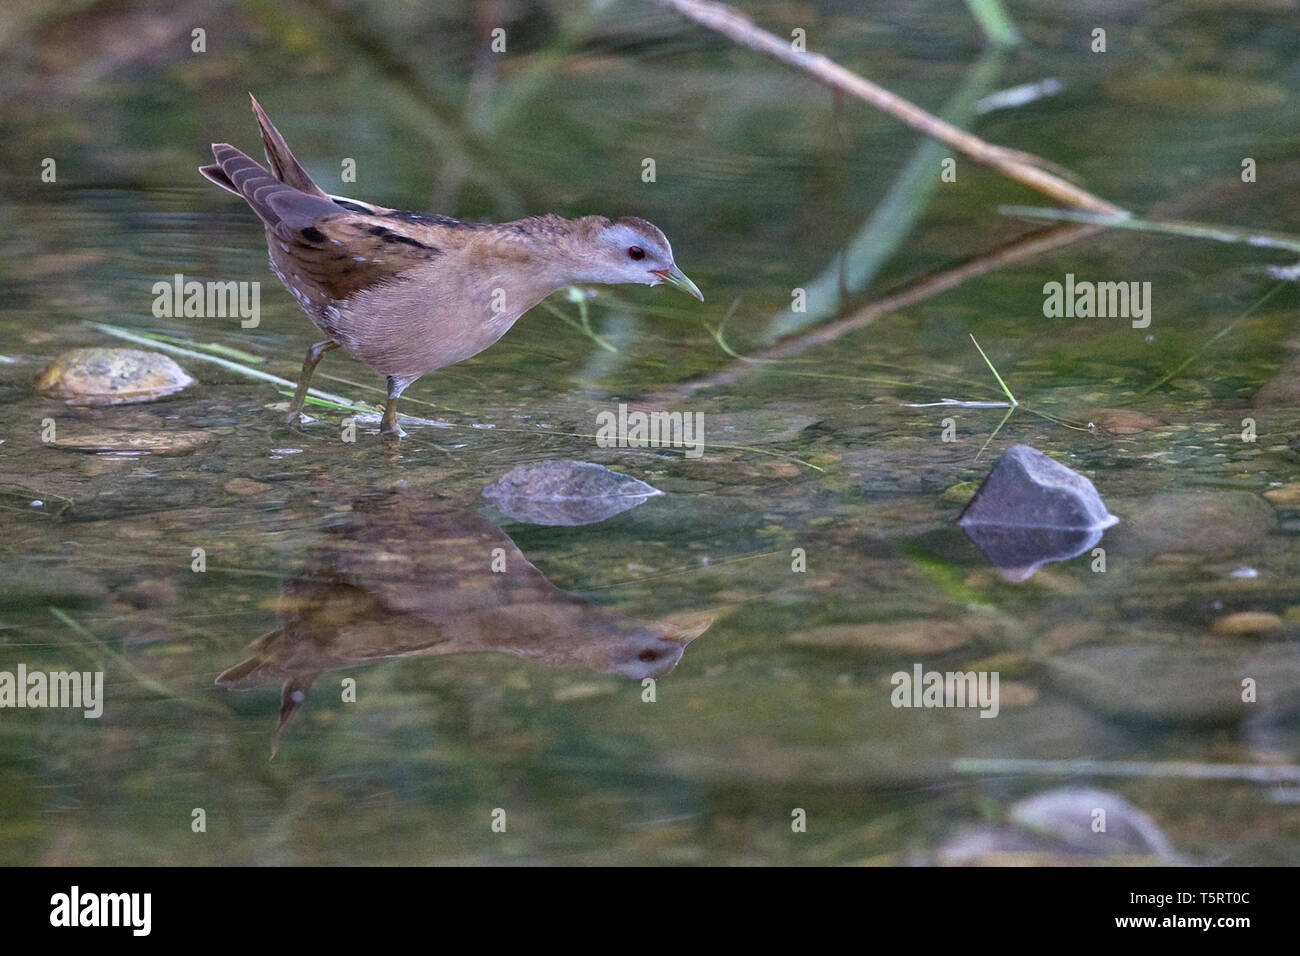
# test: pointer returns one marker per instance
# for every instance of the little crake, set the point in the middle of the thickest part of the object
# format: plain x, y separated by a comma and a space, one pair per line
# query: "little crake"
408, 293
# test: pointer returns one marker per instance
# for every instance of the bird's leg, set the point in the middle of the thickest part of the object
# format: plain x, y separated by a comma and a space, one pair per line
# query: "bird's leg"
304, 380
389, 426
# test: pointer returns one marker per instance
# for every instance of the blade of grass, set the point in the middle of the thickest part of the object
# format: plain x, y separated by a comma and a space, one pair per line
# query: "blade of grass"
1011, 398
956, 403
157, 687
322, 402
216, 348
583, 322
1192, 230
1178, 369
1186, 770
993, 20
988, 441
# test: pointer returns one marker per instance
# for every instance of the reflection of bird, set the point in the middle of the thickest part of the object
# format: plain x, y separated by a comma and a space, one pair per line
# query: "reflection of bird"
408, 293
405, 576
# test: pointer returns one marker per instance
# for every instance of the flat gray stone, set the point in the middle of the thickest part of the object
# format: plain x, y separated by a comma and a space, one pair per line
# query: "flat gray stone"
565, 493
1031, 510
1027, 489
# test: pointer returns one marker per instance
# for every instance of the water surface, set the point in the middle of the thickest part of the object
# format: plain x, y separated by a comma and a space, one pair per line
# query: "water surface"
523, 693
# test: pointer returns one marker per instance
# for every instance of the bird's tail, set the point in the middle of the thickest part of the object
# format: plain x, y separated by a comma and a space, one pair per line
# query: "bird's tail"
285, 198
287, 169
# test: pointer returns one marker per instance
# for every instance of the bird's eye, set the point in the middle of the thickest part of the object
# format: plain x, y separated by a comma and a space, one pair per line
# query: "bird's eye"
635, 252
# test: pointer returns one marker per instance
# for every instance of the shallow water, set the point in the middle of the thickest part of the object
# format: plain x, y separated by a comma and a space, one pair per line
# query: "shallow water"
476, 691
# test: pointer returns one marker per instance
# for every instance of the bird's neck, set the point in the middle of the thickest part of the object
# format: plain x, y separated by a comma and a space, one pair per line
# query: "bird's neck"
532, 258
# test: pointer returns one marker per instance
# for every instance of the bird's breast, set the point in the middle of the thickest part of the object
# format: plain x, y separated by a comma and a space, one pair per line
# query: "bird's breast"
408, 335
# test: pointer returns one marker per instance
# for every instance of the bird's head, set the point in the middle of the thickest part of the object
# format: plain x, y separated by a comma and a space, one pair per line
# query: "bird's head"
643, 654
633, 250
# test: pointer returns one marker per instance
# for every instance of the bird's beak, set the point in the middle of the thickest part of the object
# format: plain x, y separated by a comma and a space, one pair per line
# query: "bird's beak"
677, 277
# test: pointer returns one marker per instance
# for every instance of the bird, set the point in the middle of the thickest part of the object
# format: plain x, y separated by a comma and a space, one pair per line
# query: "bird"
408, 293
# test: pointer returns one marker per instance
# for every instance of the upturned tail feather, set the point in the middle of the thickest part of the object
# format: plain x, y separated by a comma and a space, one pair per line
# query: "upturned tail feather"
286, 167
285, 198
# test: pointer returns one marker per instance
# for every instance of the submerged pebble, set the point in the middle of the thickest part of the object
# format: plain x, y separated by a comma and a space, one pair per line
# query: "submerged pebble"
1096, 821
1124, 421
28, 584
178, 442
104, 376
909, 636
1220, 523
244, 486
1247, 623
1002, 846
1285, 496
1162, 683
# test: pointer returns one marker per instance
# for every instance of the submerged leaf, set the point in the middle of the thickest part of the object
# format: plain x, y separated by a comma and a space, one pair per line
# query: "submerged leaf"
565, 493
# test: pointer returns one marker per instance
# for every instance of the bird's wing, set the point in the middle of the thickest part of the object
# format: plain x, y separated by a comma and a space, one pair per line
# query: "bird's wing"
343, 253
338, 245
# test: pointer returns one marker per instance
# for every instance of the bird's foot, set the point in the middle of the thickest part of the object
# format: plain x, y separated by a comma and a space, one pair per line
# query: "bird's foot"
388, 426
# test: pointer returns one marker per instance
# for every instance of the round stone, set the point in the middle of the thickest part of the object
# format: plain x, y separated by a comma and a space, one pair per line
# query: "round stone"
103, 376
